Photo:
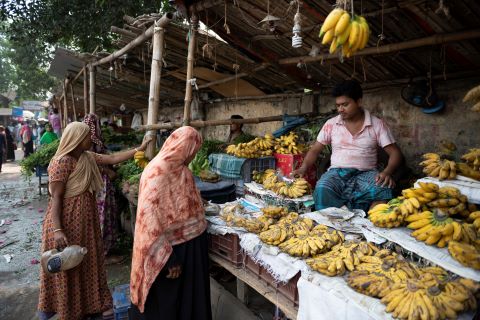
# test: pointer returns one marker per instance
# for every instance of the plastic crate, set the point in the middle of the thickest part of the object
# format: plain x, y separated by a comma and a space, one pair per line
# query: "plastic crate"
239, 186
288, 290
121, 301
256, 164
226, 247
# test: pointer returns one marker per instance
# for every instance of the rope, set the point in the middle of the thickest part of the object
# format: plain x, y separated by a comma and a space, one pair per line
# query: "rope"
381, 36
363, 68
225, 25
443, 55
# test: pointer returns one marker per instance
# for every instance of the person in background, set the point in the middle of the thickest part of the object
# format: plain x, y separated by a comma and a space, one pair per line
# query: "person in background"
55, 121
3, 146
35, 135
106, 202
27, 139
72, 219
48, 136
10, 144
353, 179
169, 278
235, 129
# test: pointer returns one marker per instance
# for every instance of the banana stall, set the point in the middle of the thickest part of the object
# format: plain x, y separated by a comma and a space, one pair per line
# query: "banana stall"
275, 63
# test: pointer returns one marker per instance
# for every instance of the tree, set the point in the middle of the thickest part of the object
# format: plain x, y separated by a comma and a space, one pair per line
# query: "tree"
34, 28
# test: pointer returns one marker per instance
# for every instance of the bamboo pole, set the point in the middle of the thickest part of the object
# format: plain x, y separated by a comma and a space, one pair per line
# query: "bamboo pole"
238, 76
85, 90
162, 22
155, 77
73, 102
394, 47
123, 32
190, 59
210, 123
65, 106
92, 88
58, 106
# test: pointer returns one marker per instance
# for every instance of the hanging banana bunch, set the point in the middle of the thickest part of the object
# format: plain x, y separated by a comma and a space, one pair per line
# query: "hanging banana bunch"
345, 31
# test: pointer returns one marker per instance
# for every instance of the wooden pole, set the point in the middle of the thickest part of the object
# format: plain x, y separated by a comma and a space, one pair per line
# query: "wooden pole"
228, 79
73, 102
65, 107
92, 88
209, 123
190, 59
57, 103
394, 47
155, 77
162, 22
85, 90
123, 32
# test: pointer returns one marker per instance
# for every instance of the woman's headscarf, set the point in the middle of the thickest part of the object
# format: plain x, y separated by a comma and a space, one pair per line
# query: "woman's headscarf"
170, 210
95, 132
86, 175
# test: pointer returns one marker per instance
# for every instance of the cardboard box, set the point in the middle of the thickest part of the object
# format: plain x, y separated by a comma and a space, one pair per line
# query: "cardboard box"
286, 163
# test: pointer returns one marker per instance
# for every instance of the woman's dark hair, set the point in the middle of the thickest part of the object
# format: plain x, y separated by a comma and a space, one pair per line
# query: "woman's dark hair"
55, 110
349, 88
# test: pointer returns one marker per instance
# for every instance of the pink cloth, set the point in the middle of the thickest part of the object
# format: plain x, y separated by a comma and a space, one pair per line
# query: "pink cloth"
358, 151
170, 210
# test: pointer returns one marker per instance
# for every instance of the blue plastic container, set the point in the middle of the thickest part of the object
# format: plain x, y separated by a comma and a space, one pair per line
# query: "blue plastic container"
121, 301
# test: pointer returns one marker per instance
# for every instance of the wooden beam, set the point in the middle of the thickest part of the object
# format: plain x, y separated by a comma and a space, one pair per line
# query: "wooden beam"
393, 47
206, 4
190, 60
85, 91
73, 102
123, 32
162, 22
238, 76
210, 123
65, 108
154, 96
92, 88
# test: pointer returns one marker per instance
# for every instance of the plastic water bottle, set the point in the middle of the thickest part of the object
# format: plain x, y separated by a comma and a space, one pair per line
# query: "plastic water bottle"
54, 261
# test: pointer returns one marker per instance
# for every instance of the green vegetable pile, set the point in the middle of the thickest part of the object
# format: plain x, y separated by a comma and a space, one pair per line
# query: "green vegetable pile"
128, 139
243, 138
126, 171
200, 162
41, 157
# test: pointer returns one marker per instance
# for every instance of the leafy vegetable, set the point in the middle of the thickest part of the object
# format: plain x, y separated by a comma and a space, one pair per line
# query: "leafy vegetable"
127, 139
127, 170
200, 162
243, 138
41, 157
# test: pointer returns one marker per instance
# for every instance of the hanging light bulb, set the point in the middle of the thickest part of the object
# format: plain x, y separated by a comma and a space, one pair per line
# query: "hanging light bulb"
270, 22
297, 40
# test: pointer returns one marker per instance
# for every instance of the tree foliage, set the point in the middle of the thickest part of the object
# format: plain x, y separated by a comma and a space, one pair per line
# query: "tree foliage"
34, 28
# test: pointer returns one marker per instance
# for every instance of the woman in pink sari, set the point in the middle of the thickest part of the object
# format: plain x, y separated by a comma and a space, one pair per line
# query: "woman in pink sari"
169, 278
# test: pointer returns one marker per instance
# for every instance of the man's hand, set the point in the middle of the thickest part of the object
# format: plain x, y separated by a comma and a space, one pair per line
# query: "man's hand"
385, 180
300, 172
174, 272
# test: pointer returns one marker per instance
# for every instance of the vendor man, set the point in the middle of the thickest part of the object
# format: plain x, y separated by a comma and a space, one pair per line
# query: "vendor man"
235, 129
353, 179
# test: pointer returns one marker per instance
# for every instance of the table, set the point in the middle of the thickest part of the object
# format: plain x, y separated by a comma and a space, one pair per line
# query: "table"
245, 276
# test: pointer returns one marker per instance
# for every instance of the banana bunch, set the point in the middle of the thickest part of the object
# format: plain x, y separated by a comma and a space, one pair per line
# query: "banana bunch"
258, 147
472, 157
424, 194
411, 300
288, 144
393, 213
259, 177
466, 254
255, 225
285, 229
468, 171
342, 257
434, 227
368, 283
473, 95
474, 218
434, 166
140, 159
298, 188
305, 244
341, 30
274, 212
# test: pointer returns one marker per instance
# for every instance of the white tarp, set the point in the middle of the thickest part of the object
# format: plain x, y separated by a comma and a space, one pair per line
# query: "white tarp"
467, 186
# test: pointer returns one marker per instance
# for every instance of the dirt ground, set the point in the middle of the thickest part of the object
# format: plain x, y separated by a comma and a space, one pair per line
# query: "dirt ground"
22, 210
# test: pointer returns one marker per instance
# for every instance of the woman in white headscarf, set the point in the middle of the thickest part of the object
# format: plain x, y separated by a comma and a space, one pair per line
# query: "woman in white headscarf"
72, 218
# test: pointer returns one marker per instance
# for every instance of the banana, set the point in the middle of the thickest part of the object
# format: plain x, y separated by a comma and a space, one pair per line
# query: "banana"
342, 24
331, 20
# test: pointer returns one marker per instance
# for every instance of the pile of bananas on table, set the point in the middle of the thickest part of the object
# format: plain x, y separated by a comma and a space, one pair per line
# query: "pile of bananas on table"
285, 228
471, 167
435, 166
393, 213
258, 147
288, 144
140, 159
342, 257
266, 146
297, 188
306, 243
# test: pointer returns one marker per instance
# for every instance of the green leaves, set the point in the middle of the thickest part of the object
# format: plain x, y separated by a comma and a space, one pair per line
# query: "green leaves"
41, 157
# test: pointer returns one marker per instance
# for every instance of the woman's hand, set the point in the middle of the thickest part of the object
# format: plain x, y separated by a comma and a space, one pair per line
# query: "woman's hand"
60, 239
145, 143
174, 272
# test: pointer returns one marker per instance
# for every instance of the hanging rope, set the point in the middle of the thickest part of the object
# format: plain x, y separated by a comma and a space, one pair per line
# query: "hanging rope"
381, 36
225, 25
236, 67
430, 91
363, 68
207, 47
443, 56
